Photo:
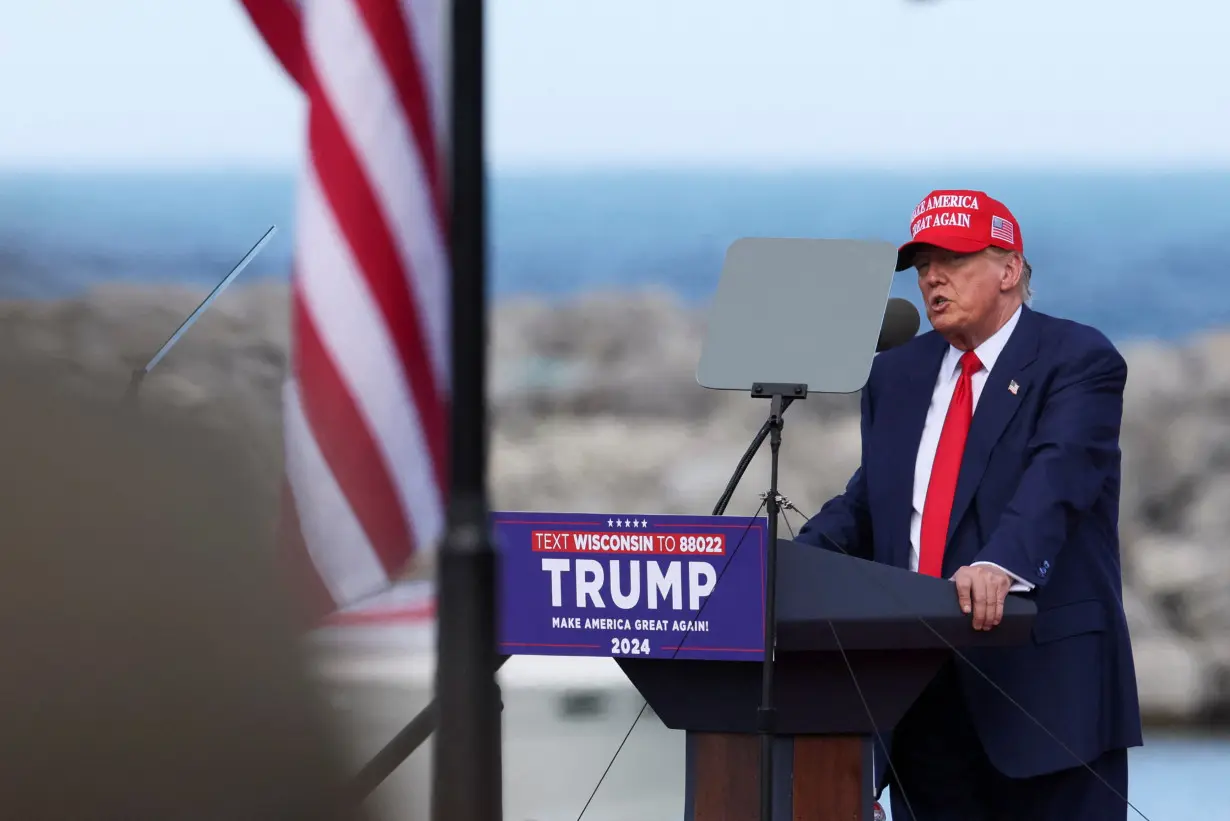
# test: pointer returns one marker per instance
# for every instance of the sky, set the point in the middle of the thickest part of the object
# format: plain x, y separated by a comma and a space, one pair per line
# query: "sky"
660, 83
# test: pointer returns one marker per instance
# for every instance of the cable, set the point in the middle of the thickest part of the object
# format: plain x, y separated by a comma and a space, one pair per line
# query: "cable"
611, 763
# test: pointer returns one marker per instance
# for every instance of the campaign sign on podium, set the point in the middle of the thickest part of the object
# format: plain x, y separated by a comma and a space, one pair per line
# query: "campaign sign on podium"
574, 584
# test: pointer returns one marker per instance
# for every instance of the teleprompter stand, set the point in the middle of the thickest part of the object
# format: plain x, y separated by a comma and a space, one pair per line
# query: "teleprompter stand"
849, 644
766, 723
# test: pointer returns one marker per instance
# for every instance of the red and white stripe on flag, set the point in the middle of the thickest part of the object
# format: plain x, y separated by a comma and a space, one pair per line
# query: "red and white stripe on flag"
365, 404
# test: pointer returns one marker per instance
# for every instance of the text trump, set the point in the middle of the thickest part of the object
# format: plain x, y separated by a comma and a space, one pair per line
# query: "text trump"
624, 582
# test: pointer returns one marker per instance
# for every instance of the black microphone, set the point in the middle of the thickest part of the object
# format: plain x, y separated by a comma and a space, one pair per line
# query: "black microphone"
901, 321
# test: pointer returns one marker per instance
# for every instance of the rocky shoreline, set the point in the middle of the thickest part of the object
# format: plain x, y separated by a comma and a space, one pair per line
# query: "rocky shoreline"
595, 407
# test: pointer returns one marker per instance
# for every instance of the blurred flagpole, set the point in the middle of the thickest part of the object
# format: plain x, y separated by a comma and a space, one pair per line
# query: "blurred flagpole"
467, 778
138, 375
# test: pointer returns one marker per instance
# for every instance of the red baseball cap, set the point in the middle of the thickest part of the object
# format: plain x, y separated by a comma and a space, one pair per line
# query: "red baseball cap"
960, 221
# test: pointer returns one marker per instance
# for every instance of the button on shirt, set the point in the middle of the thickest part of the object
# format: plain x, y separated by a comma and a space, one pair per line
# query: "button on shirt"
988, 352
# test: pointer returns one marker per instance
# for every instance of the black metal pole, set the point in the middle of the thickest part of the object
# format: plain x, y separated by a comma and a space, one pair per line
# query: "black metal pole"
767, 713
467, 778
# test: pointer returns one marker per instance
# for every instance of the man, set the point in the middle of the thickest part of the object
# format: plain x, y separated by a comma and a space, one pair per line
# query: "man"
990, 457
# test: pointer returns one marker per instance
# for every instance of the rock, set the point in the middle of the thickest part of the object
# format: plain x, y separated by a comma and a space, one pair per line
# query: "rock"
1143, 618
1217, 705
1174, 677
1158, 375
1211, 355
1205, 608
1165, 565
595, 406
609, 353
1208, 516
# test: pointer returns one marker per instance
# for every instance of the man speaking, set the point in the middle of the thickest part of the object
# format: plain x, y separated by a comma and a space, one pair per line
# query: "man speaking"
990, 456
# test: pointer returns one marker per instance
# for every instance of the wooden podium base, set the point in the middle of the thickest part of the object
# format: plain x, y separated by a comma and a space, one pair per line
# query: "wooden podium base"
816, 778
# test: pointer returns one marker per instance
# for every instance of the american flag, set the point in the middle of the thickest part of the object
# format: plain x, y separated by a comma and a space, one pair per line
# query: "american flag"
365, 404
1002, 230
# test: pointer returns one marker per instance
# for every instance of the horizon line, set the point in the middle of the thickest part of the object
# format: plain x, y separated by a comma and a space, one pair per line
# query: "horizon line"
513, 170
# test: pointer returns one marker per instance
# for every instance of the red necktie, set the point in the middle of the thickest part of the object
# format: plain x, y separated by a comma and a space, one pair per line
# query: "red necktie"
944, 470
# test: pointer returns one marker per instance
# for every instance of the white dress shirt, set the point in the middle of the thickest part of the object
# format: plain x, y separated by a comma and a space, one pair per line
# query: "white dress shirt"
941, 397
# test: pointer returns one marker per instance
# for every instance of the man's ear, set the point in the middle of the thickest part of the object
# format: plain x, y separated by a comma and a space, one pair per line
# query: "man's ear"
1010, 277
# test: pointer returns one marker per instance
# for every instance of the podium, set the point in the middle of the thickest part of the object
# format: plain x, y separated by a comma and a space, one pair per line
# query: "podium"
857, 642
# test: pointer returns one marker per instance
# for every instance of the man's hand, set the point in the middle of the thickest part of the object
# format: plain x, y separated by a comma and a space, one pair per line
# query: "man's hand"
982, 589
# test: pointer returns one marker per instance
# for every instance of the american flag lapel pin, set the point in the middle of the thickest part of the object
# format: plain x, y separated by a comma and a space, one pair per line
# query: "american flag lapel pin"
1013, 387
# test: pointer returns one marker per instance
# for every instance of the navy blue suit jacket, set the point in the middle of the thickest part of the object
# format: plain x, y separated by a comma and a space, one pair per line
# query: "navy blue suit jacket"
1038, 494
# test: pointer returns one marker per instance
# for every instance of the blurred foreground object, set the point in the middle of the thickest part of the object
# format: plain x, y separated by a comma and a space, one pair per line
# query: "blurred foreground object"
150, 667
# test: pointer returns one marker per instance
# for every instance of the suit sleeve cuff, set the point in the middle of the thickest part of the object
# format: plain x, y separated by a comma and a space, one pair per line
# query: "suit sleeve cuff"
1019, 585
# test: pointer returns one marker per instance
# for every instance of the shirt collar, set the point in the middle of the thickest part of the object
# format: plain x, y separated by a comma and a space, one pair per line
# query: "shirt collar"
989, 350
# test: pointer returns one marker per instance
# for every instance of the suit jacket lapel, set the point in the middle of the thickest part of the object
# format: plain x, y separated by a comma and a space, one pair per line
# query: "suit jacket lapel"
996, 406
902, 415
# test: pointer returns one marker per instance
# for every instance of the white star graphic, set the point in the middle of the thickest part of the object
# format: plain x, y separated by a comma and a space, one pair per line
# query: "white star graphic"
644, 523
619, 522
634, 523
610, 522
